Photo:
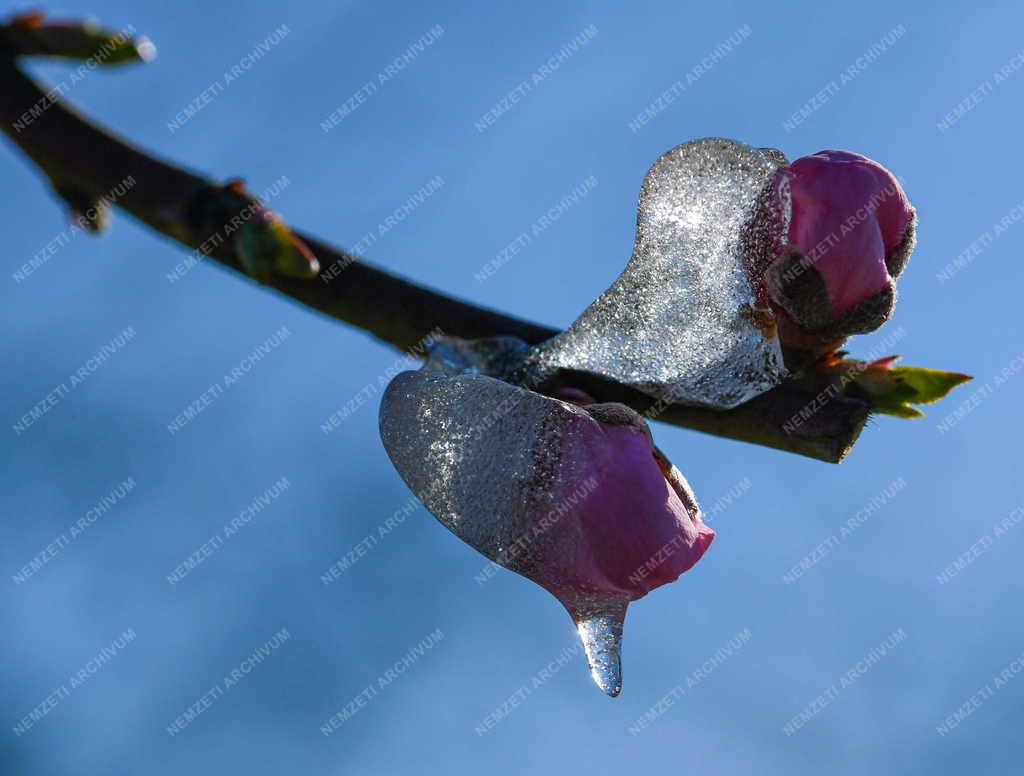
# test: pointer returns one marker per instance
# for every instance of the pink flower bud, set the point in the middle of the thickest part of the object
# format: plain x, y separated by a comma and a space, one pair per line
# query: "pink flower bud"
633, 531
851, 231
572, 495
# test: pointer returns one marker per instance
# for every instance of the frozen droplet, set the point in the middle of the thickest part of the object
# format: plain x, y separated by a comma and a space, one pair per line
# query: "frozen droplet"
600, 631
683, 321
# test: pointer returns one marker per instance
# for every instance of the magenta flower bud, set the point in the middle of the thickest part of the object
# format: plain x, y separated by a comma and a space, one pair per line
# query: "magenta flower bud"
570, 494
851, 231
637, 528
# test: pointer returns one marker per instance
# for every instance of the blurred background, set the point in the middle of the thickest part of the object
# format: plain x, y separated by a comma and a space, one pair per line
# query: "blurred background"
873, 658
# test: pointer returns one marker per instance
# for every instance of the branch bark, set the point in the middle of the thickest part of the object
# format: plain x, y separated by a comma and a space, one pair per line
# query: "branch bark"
78, 156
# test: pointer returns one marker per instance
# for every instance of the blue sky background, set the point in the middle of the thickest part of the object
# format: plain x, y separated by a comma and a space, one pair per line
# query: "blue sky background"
959, 484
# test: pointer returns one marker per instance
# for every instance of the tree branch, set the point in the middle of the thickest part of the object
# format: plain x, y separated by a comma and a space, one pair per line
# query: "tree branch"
78, 156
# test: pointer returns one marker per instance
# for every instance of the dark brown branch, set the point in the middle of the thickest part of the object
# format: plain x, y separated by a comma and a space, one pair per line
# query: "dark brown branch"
80, 157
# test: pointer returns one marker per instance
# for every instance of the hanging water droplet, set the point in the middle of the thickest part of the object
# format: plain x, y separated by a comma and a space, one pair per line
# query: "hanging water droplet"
601, 634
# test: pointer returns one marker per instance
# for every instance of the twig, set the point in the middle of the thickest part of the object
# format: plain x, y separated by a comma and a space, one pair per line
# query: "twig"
79, 156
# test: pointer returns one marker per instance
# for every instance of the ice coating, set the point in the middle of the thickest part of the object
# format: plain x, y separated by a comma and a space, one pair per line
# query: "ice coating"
683, 319
601, 636
574, 498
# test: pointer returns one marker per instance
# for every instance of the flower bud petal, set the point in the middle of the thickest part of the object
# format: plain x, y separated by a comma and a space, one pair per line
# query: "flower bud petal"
851, 231
575, 498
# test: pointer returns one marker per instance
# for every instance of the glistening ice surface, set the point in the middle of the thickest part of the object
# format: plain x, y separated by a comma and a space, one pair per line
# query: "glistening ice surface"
682, 320
485, 458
